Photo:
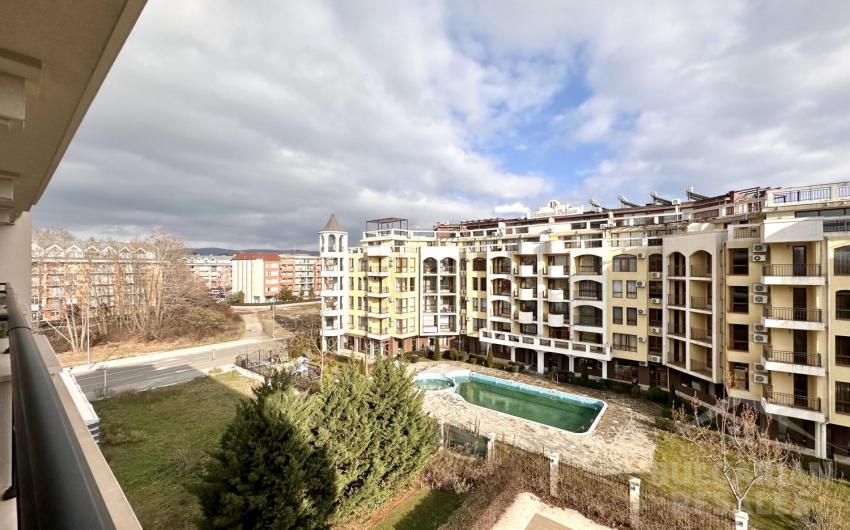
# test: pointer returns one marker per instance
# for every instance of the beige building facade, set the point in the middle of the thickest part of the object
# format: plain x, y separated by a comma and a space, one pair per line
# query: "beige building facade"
746, 293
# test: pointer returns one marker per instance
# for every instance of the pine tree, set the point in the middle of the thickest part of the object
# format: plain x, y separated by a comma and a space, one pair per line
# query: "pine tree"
405, 437
346, 430
268, 471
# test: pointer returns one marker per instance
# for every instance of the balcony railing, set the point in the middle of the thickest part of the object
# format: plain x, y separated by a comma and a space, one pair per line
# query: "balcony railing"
53, 484
701, 302
700, 367
801, 314
747, 232
842, 360
587, 294
792, 269
791, 357
836, 225
678, 270
676, 300
701, 334
501, 270
588, 321
791, 400
588, 269
672, 329
702, 271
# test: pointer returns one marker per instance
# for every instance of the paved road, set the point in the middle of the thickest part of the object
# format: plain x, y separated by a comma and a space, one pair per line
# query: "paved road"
167, 368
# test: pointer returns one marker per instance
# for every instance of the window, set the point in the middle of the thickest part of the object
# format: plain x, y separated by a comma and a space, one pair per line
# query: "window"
478, 323
739, 298
655, 317
631, 316
656, 289
842, 305
739, 258
618, 315
739, 337
631, 289
625, 342
842, 398
656, 263
842, 351
741, 379
617, 288
528, 329
474, 284
656, 344
842, 261
625, 263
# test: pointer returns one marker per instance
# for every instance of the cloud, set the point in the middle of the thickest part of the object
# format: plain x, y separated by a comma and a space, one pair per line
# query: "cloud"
246, 125
516, 208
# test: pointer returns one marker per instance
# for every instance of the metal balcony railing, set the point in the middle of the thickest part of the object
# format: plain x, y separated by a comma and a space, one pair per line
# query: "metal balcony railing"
588, 321
790, 357
794, 313
747, 232
792, 269
53, 485
677, 270
501, 270
701, 302
676, 300
673, 329
791, 400
701, 271
588, 269
588, 294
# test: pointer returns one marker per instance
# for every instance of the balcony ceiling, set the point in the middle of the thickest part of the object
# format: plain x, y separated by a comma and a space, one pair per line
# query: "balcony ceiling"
59, 54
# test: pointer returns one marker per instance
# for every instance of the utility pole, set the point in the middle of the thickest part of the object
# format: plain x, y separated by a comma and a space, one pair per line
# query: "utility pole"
88, 335
104, 381
273, 320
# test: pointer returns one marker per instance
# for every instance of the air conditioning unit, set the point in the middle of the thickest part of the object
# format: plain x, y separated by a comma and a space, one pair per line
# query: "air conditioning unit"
641, 311
761, 338
655, 275
761, 378
760, 248
759, 367
641, 255
654, 300
641, 339
607, 225
656, 331
643, 363
759, 257
759, 298
655, 358
759, 288
641, 283
676, 202
759, 328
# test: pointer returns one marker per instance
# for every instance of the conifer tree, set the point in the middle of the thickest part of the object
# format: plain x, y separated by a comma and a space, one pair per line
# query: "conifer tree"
268, 471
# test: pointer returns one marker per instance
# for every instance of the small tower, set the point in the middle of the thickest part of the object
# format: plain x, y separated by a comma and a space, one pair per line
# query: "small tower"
333, 252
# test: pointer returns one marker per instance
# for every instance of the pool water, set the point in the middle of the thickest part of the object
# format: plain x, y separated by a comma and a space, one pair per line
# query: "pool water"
571, 415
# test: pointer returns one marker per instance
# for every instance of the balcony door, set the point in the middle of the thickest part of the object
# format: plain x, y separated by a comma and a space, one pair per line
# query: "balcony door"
801, 390
800, 303
798, 257
801, 346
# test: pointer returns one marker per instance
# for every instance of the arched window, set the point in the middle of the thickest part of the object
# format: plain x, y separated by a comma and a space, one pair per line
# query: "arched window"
842, 305
332, 243
842, 261
625, 263
656, 263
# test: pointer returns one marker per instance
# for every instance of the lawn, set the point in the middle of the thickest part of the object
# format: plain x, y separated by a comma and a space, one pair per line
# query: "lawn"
424, 509
156, 441
677, 473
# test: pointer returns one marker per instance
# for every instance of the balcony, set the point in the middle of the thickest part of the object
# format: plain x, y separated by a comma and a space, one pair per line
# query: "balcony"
527, 294
527, 270
378, 271
701, 367
745, 232
794, 362
676, 300
793, 274
583, 320
557, 271
554, 345
555, 295
677, 271
526, 317
792, 406
673, 329
701, 303
66, 482
793, 318
701, 334
700, 271
555, 320
588, 294
588, 269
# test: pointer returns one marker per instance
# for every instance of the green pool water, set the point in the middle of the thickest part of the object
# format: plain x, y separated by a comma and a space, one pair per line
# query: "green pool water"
571, 416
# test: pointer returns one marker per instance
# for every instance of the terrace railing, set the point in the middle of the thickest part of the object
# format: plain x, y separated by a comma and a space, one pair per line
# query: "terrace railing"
792, 269
52, 483
791, 400
791, 357
794, 313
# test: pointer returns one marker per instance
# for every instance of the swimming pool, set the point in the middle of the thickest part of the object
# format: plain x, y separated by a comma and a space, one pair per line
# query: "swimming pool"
433, 382
576, 414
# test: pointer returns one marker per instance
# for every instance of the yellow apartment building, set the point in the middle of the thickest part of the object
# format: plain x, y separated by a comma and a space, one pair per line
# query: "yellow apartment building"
745, 293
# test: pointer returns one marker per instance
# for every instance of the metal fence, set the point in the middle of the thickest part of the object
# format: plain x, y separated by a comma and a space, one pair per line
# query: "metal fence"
464, 440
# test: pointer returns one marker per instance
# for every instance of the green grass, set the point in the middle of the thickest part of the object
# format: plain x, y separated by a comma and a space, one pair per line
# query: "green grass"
156, 443
425, 509
677, 473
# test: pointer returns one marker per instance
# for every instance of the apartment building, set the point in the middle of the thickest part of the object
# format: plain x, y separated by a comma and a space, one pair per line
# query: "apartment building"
256, 275
746, 292
68, 277
300, 274
216, 272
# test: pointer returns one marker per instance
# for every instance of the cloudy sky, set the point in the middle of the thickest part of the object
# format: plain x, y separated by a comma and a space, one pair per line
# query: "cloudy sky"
245, 124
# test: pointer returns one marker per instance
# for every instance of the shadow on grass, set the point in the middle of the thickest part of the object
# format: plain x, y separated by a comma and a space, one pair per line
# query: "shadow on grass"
425, 510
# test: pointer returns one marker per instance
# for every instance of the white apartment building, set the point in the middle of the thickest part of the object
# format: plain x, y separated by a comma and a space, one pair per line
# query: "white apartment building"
216, 272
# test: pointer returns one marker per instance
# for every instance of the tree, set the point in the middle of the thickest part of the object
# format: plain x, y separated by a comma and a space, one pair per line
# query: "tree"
730, 439
268, 471
405, 438
285, 295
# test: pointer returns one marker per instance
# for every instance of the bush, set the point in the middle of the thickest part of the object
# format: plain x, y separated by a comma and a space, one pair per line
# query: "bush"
203, 322
438, 354
658, 395
665, 424
413, 358
489, 359
636, 391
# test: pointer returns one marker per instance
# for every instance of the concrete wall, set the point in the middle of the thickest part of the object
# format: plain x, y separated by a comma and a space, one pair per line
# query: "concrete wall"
16, 259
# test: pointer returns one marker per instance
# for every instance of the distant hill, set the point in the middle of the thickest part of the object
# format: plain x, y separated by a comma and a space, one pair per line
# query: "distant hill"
211, 251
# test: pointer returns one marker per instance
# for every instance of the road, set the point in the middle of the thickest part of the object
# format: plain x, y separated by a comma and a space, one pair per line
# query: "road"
168, 368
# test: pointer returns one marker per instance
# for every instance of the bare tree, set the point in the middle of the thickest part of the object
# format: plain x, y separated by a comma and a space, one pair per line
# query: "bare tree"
730, 438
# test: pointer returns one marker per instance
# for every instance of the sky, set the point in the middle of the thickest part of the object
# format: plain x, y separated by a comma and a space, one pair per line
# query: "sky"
246, 124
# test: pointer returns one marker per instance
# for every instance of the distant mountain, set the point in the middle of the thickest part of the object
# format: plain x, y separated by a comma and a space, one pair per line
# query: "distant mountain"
216, 251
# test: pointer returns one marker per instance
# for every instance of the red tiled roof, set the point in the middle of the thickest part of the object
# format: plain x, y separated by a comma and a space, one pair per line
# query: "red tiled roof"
265, 256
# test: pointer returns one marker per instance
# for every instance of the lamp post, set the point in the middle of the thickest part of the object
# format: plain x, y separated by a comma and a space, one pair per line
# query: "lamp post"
273, 320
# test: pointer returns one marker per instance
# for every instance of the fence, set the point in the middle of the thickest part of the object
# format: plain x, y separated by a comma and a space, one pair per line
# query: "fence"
611, 500
260, 362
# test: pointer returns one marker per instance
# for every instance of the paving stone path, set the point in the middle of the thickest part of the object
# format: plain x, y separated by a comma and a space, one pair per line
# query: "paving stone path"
623, 441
